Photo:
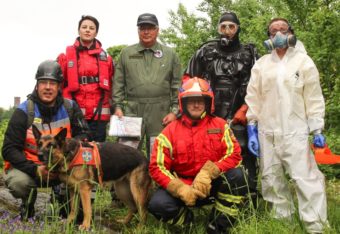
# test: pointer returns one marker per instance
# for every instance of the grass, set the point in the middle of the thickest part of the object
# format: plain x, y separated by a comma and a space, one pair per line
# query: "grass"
250, 221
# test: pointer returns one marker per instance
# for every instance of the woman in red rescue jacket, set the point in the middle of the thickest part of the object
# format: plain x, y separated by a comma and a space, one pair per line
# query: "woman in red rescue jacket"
88, 73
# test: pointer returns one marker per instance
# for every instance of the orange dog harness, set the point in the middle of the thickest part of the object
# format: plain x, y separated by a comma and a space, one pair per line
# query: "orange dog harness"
88, 156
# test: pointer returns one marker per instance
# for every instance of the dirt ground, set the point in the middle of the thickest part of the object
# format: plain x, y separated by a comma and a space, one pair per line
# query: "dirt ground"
10, 204
9, 210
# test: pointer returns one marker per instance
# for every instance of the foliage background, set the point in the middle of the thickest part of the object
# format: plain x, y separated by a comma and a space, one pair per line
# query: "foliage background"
316, 24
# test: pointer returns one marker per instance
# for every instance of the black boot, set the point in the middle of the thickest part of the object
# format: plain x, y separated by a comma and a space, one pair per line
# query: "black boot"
26, 211
214, 228
219, 223
183, 223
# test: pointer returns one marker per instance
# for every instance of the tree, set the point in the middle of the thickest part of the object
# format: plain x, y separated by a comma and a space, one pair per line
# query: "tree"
315, 23
6, 114
2, 110
114, 51
186, 32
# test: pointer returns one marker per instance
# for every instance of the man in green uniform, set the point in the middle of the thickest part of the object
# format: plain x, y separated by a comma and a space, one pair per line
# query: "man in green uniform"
146, 81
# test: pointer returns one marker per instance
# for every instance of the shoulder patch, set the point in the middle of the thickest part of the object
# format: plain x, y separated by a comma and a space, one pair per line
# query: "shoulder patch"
103, 56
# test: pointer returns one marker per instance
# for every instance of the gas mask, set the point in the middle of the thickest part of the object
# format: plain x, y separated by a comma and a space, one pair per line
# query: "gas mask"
280, 41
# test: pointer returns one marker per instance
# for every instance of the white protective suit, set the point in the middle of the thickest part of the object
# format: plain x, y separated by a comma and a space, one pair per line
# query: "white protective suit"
285, 99
300, 47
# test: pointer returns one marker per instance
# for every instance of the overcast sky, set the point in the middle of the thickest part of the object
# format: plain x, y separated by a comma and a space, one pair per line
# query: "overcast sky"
36, 30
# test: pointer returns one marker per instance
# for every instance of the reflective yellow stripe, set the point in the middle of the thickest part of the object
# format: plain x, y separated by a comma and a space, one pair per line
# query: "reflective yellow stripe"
225, 209
162, 138
239, 164
163, 142
228, 141
230, 198
181, 217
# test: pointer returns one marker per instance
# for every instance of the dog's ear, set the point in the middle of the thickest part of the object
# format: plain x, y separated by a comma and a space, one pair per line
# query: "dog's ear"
61, 136
36, 133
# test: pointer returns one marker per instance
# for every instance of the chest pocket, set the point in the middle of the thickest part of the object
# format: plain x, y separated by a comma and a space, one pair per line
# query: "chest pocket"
181, 151
212, 147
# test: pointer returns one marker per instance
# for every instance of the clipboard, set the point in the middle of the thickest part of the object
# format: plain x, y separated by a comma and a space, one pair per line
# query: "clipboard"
125, 126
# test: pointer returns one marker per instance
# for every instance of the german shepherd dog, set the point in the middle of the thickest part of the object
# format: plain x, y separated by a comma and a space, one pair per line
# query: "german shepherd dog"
125, 166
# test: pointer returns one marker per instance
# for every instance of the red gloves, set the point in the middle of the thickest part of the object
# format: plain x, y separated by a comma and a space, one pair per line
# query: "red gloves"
240, 115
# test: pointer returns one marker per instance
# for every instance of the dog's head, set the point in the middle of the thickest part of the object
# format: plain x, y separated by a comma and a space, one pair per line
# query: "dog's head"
50, 148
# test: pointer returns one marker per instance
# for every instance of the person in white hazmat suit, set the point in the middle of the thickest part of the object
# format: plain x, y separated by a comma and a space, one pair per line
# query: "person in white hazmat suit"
285, 105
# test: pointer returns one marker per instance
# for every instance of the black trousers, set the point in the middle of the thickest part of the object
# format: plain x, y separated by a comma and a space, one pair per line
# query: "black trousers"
249, 161
98, 130
168, 208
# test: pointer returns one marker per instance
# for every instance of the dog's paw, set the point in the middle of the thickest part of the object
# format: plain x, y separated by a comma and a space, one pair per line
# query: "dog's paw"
123, 220
84, 227
120, 220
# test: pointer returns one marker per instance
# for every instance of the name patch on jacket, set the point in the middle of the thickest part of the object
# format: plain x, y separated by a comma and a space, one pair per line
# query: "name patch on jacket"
214, 130
136, 56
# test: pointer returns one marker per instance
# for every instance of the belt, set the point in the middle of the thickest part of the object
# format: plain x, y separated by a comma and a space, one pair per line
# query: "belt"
88, 79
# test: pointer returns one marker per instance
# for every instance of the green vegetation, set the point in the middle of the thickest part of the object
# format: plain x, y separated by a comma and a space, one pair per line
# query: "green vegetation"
316, 24
250, 221
3, 127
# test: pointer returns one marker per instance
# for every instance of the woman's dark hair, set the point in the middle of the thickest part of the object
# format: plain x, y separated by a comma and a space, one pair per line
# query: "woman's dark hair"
89, 17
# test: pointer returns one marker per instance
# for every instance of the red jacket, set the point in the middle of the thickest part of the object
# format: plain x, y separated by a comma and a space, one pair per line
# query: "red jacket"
183, 147
88, 75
